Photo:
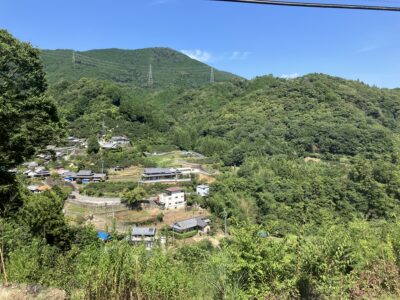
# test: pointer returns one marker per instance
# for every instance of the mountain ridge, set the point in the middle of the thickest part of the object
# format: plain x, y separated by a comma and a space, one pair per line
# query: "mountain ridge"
131, 67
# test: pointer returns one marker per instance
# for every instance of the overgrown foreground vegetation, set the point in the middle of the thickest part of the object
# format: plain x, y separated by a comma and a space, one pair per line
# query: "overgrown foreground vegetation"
323, 229
353, 261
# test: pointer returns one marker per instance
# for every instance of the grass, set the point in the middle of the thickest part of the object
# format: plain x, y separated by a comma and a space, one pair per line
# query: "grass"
185, 235
132, 173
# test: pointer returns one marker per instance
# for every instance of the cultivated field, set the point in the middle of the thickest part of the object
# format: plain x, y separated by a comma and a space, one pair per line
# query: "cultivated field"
132, 173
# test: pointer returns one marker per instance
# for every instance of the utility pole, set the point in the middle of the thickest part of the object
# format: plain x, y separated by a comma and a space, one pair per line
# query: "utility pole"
212, 75
225, 226
73, 57
150, 80
173, 233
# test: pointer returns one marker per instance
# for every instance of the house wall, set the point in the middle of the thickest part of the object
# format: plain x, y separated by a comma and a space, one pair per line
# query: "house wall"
202, 192
173, 200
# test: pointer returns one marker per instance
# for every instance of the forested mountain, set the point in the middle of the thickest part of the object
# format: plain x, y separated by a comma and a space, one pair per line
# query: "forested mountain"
265, 126
308, 180
130, 67
315, 115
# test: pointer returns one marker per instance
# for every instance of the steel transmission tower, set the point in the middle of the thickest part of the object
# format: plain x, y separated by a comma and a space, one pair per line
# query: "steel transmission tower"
150, 80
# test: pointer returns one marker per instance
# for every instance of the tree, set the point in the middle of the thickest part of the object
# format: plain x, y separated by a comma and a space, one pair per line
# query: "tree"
132, 197
42, 213
28, 118
93, 145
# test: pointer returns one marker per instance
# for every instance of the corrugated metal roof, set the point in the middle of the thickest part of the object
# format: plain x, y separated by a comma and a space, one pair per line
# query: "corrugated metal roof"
84, 173
190, 223
143, 231
159, 171
203, 186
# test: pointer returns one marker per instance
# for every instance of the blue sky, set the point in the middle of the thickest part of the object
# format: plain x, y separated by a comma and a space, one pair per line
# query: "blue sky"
248, 40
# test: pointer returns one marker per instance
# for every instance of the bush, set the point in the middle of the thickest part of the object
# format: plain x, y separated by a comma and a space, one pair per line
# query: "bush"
160, 217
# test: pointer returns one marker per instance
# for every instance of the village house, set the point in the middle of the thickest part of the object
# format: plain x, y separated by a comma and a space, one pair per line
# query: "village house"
121, 141
36, 189
31, 165
33, 188
68, 175
85, 176
203, 190
198, 223
154, 175
74, 140
146, 235
109, 145
173, 198
188, 170
37, 172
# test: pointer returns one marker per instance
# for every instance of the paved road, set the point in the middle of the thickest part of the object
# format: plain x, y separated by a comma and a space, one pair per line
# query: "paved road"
94, 200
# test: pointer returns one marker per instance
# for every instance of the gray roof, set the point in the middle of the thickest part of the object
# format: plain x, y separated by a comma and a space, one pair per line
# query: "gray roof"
190, 223
32, 187
203, 186
99, 175
42, 172
143, 231
111, 145
84, 173
151, 171
118, 138
69, 174
32, 164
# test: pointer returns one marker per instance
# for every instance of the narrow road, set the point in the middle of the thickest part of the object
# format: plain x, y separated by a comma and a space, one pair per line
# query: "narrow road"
76, 197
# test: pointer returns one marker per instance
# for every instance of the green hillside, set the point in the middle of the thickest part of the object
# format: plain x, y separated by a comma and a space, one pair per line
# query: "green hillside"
130, 67
315, 114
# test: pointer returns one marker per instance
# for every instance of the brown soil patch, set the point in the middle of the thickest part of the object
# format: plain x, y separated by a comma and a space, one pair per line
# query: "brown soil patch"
31, 292
132, 173
312, 159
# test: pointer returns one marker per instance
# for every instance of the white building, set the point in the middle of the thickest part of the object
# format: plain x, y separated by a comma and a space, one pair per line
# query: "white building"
174, 198
121, 140
146, 235
202, 190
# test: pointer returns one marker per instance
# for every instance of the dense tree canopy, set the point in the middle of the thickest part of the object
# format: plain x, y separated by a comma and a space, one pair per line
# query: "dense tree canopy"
28, 119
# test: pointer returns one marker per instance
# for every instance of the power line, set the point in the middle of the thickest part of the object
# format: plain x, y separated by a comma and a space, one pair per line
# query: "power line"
202, 69
316, 5
128, 70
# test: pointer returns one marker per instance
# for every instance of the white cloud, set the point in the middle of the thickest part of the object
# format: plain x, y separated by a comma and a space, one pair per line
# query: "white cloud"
289, 76
206, 56
197, 54
239, 55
